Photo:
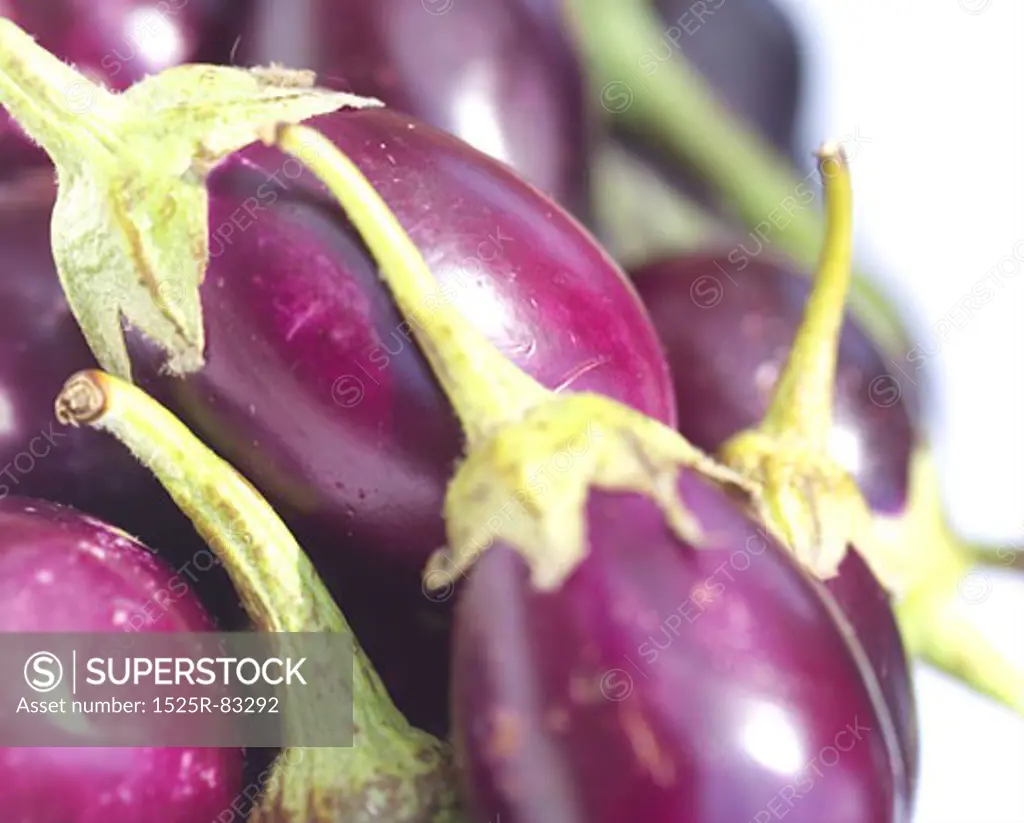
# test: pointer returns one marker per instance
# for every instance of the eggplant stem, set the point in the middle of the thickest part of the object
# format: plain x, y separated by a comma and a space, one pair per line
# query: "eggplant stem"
484, 387
391, 766
801, 406
996, 557
936, 630
741, 164
56, 106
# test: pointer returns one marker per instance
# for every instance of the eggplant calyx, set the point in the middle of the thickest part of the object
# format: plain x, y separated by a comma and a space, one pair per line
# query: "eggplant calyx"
805, 497
527, 485
392, 772
810, 503
425, 792
939, 582
130, 225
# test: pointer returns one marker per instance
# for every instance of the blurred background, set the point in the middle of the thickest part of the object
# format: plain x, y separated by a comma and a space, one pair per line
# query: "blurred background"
936, 90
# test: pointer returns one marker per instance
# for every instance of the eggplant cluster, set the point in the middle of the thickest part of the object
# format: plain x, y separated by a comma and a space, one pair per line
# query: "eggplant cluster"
519, 483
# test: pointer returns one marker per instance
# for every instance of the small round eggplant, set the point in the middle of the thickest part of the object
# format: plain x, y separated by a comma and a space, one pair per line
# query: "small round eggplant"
115, 41
663, 682
758, 303
62, 571
503, 76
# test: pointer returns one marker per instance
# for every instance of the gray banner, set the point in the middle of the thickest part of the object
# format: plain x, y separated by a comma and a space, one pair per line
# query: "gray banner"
162, 689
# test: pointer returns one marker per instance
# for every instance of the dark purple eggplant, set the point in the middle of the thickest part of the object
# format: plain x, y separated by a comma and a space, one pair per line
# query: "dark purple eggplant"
313, 385
664, 682
759, 302
503, 76
62, 571
117, 42
315, 388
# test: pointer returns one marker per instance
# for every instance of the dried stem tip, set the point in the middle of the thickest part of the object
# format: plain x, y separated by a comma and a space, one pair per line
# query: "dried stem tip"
82, 400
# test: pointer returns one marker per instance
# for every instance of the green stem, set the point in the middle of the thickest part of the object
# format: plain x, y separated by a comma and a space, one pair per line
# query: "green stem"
640, 215
54, 104
673, 105
485, 388
801, 406
392, 772
996, 557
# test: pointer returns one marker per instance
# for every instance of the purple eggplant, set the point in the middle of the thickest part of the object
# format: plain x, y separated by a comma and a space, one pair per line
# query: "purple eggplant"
315, 389
571, 572
62, 571
758, 304
115, 41
313, 385
503, 76
661, 682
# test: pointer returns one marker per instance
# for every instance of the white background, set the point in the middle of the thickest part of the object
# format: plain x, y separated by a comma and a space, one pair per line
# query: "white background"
937, 86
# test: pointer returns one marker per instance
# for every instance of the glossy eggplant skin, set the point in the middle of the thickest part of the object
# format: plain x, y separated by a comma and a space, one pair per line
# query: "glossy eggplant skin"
315, 389
727, 320
503, 75
116, 42
62, 571
667, 684
314, 386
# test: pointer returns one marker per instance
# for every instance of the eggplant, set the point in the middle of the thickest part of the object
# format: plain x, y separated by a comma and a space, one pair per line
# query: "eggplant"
313, 385
503, 75
117, 42
315, 389
758, 301
63, 571
566, 574
751, 59
665, 682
